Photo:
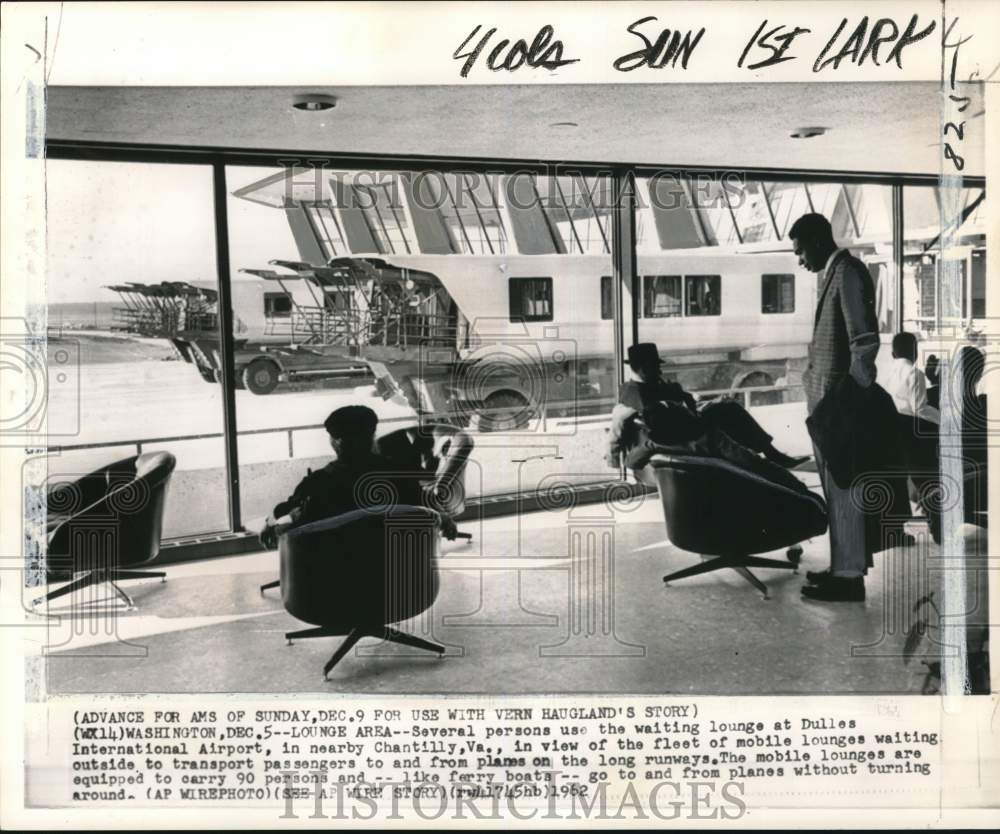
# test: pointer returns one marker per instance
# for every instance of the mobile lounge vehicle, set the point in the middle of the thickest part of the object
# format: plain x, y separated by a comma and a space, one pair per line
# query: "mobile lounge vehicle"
495, 291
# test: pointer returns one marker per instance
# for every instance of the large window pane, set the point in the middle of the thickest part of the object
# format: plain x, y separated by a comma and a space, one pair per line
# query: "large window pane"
476, 298
724, 297
132, 299
952, 235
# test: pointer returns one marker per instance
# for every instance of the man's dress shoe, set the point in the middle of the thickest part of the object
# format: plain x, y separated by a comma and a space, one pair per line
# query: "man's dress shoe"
818, 577
837, 589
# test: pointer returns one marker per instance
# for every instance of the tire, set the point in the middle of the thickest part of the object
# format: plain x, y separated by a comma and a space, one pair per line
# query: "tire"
261, 376
515, 414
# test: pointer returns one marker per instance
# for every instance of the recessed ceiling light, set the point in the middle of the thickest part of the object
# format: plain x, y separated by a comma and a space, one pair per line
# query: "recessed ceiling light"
564, 124
807, 132
312, 102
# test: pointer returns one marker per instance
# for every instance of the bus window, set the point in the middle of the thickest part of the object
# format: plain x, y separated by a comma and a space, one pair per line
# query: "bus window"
978, 283
337, 301
661, 296
777, 293
277, 305
607, 298
703, 295
531, 299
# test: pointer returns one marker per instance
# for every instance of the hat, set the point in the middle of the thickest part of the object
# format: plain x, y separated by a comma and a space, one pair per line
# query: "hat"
644, 353
351, 420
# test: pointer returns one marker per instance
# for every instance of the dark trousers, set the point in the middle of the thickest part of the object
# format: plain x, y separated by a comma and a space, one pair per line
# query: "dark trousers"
731, 418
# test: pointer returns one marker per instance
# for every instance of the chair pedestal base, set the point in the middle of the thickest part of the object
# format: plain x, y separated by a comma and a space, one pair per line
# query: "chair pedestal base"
267, 585
97, 576
740, 564
393, 635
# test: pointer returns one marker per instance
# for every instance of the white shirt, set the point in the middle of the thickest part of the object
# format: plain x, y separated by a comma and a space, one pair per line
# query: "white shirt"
829, 260
908, 387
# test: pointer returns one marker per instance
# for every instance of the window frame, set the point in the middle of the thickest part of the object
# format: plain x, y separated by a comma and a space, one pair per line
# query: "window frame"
763, 282
646, 297
687, 296
513, 282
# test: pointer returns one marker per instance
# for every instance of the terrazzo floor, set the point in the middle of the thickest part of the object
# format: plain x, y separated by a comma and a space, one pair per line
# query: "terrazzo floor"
518, 614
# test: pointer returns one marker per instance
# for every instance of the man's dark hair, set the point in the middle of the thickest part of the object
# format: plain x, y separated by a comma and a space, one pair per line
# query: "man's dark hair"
905, 345
811, 227
352, 421
973, 361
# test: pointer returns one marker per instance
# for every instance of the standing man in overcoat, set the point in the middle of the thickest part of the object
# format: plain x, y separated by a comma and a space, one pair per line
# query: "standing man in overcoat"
845, 342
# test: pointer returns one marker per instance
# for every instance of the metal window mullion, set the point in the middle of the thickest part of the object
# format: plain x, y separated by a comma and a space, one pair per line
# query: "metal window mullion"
809, 198
458, 213
501, 231
226, 346
399, 226
593, 208
316, 223
897, 251
569, 216
689, 192
732, 216
378, 214
770, 210
850, 211
336, 223
318, 209
624, 263
549, 224
479, 216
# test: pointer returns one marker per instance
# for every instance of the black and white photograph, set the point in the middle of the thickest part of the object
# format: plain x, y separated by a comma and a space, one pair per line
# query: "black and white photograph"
510, 431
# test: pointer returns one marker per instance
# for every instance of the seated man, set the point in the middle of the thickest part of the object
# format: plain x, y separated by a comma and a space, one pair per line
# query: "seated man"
343, 484
933, 374
676, 419
907, 383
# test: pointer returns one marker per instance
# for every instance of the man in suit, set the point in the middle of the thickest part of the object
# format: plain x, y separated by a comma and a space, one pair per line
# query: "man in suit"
844, 343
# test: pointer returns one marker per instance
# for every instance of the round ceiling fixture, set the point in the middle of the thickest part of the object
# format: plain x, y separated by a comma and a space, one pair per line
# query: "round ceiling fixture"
313, 102
807, 132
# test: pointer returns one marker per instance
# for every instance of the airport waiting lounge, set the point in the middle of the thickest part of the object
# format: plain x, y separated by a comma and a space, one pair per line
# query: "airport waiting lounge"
352, 400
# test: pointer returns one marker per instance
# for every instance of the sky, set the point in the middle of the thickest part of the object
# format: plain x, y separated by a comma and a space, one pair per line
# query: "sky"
113, 222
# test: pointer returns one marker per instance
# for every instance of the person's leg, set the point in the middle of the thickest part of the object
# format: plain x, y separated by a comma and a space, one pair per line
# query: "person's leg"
732, 418
848, 557
847, 527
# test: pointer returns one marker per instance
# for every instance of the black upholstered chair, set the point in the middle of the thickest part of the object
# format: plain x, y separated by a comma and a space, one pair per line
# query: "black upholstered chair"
106, 522
445, 449
715, 508
356, 574
444, 488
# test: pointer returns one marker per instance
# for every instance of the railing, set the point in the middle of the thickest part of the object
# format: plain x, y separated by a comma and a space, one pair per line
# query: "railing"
583, 403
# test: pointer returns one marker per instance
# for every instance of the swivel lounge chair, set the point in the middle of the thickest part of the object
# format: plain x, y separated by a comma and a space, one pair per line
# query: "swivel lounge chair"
449, 450
106, 522
444, 489
356, 574
715, 508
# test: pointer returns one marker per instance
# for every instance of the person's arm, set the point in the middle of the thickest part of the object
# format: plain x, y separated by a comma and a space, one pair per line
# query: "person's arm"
620, 415
859, 317
918, 392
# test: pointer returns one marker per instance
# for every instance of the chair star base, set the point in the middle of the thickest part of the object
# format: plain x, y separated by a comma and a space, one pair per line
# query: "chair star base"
393, 635
742, 565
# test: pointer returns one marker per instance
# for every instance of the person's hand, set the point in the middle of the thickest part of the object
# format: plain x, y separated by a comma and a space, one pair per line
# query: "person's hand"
448, 528
269, 536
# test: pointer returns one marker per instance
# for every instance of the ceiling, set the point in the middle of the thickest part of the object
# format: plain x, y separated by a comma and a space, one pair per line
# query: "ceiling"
873, 127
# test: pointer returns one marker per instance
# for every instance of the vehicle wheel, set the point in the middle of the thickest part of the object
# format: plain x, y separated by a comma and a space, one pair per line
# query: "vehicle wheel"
505, 411
261, 376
